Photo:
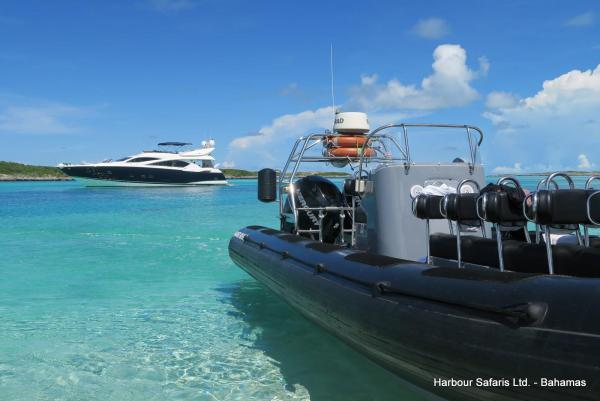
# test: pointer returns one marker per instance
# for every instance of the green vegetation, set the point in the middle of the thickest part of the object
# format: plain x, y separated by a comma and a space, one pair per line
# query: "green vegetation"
327, 173
236, 173
18, 171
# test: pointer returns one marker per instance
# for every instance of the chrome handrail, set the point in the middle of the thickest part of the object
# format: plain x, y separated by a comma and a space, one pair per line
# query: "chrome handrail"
472, 147
559, 174
586, 232
387, 150
589, 209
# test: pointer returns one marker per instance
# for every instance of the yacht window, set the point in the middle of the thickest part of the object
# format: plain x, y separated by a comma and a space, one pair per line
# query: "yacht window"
171, 163
142, 159
207, 163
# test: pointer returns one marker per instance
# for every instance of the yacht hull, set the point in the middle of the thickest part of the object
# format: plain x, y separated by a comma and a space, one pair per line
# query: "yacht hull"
118, 176
505, 336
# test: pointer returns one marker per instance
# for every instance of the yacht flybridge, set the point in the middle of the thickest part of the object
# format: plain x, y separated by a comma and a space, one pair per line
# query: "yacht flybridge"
431, 273
170, 165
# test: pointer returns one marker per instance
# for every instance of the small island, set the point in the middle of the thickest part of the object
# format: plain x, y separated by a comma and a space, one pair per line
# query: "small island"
10, 171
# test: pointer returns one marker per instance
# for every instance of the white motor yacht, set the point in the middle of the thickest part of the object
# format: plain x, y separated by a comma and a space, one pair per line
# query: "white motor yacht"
170, 165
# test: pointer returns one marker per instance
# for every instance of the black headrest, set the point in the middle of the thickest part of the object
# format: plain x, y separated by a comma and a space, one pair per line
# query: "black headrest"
565, 206
427, 207
497, 207
462, 208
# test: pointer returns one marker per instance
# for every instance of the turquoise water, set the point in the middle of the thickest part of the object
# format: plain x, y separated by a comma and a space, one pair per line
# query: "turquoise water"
129, 294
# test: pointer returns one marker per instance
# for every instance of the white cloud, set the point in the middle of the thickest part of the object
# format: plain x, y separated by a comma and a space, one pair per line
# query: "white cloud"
40, 119
228, 164
431, 28
575, 93
171, 5
286, 126
499, 100
556, 124
484, 66
515, 169
368, 79
581, 20
448, 86
584, 162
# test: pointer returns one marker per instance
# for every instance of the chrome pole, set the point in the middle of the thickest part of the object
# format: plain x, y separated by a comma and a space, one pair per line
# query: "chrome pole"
500, 247
427, 241
549, 250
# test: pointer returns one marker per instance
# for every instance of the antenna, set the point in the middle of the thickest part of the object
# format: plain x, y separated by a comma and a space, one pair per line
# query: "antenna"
332, 89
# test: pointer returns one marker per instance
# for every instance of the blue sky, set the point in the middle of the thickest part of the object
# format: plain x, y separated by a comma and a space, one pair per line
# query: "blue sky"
92, 80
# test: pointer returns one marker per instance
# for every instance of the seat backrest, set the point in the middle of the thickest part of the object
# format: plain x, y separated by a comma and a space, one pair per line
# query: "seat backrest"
565, 207
427, 207
461, 208
496, 207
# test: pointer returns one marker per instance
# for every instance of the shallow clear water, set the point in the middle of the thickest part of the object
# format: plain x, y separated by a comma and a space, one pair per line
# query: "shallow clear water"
129, 294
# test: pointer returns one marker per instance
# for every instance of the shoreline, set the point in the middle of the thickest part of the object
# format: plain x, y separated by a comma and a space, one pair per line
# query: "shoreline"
11, 178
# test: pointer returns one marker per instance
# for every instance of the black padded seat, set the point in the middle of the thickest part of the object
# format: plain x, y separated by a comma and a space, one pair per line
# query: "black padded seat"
443, 246
479, 251
475, 250
575, 260
427, 207
525, 258
462, 208
565, 207
569, 260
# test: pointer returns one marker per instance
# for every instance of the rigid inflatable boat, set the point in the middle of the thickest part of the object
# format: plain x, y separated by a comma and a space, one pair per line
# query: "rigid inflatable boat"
453, 285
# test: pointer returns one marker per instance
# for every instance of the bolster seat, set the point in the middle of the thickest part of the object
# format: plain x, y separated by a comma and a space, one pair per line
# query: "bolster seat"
569, 260
443, 246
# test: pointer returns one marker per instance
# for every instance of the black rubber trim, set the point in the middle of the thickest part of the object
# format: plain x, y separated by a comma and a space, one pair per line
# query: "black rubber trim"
323, 248
373, 259
476, 274
292, 238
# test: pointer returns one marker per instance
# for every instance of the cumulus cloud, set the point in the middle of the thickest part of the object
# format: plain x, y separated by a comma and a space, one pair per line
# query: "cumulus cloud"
431, 28
484, 66
499, 100
40, 119
581, 20
584, 162
271, 144
449, 85
558, 123
286, 126
573, 93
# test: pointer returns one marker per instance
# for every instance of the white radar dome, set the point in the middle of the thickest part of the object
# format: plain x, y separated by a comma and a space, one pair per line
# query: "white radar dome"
351, 122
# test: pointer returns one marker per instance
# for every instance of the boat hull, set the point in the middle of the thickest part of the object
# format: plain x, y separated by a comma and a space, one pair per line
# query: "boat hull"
426, 323
118, 176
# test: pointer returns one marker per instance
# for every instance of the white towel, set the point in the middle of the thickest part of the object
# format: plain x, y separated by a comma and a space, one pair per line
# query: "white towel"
439, 190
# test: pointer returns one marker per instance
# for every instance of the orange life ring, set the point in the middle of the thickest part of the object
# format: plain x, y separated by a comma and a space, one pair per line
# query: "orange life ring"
347, 141
351, 152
